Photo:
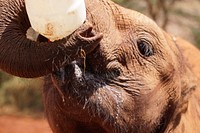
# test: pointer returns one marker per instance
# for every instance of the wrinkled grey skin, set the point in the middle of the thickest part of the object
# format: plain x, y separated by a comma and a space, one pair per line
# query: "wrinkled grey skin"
123, 74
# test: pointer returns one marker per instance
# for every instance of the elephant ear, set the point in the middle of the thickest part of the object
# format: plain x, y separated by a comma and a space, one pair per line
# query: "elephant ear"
185, 65
185, 115
189, 106
188, 84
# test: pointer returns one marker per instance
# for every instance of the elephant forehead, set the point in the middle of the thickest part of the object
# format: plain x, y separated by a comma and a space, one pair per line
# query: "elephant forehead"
139, 20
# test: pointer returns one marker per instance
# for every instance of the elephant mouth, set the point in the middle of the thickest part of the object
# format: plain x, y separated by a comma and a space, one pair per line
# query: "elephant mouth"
85, 72
79, 84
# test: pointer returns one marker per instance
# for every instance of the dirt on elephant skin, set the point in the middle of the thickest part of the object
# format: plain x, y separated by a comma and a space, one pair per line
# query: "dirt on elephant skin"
14, 124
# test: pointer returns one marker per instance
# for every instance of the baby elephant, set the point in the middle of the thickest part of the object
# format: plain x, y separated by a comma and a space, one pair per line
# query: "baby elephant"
118, 73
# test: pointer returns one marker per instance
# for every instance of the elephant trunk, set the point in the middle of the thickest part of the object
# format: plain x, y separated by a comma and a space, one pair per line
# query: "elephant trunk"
18, 55
23, 57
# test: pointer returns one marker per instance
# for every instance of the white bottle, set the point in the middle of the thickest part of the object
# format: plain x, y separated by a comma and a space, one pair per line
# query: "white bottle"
55, 19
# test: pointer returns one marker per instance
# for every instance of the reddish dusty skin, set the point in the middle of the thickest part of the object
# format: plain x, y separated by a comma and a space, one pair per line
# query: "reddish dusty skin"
14, 124
122, 86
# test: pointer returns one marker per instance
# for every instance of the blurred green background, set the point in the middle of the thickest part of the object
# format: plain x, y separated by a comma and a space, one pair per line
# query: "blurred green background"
20, 96
178, 17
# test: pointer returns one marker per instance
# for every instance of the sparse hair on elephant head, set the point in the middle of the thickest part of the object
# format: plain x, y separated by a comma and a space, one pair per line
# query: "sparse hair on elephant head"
119, 72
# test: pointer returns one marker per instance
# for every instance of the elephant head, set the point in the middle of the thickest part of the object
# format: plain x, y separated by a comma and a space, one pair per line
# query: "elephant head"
134, 79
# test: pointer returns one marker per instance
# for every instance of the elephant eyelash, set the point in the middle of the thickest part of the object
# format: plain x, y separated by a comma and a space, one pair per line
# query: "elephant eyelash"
145, 48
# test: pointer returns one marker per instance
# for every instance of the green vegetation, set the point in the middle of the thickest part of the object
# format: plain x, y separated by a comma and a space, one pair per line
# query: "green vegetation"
195, 29
196, 35
19, 95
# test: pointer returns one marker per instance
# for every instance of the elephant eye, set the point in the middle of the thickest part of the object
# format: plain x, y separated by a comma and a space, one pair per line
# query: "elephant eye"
145, 48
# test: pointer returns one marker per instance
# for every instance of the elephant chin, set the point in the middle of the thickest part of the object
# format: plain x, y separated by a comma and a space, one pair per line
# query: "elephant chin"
81, 88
